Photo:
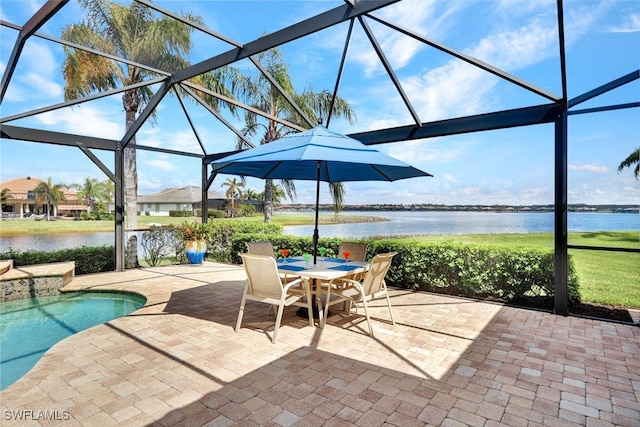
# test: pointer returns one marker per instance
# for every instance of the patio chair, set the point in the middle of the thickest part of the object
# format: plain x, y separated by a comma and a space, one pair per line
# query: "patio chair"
358, 250
266, 249
264, 285
372, 287
261, 248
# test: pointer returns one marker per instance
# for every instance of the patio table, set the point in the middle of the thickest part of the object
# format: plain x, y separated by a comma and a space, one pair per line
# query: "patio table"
325, 270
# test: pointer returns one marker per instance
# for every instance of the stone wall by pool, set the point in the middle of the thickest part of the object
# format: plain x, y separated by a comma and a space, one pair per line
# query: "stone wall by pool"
33, 280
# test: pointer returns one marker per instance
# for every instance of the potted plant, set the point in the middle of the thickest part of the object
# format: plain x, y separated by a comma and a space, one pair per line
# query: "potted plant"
195, 236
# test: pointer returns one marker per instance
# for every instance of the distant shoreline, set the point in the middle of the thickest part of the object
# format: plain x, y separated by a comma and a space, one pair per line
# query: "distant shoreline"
462, 208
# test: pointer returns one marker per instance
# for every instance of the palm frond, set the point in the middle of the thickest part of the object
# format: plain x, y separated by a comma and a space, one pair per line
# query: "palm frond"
633, 159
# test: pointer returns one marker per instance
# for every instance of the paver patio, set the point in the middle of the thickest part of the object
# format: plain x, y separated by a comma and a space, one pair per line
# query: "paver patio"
447, 361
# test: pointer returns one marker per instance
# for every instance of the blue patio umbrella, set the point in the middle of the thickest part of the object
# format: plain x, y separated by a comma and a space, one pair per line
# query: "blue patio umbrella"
317, 154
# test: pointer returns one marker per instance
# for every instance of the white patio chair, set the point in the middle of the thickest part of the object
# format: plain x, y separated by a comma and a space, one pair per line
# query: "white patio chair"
264, 285
358, 250
266, 249
371, 287
261, 248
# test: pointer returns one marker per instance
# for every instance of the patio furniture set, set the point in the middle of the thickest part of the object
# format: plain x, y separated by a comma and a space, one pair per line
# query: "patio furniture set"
348, 280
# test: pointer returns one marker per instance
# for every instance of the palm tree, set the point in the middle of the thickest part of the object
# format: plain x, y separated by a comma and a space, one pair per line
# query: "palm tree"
251, 194
234, 192
278, 194
48, 194
633, 159
132, 33
5, 196
263, 95
91, 191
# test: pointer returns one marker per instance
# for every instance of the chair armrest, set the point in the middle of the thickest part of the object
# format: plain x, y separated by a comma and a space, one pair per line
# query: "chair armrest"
293, 283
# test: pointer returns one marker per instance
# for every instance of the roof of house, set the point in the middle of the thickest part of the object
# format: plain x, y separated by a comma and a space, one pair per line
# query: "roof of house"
20, 187
188, 194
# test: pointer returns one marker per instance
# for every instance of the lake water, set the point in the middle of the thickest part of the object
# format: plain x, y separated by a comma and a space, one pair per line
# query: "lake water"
419, 223
400, 224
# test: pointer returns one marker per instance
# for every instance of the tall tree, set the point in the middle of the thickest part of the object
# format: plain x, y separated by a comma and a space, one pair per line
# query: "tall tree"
5, 196
49, 194
91, 191
134, 33
234, 192
263, 95
278, 194
633, 159
251, 194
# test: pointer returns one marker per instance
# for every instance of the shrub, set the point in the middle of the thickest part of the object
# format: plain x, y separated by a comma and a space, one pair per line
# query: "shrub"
159, 242
296, 245
180, 214
247, 210
213, 213
96, 216
521, 275
222, 232
89, 259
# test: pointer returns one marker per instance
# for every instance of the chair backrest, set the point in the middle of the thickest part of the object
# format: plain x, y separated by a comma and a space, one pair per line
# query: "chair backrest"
374, 278
262, 274
358, 250
261, 248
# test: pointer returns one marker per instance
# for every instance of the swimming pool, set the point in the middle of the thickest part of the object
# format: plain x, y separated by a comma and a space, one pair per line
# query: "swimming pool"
30, 327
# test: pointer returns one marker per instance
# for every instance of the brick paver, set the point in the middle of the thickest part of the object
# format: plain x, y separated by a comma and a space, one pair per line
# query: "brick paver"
447, 361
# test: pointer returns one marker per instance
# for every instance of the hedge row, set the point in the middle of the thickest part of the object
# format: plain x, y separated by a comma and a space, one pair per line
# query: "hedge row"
89, 259
513, 275
524, 275
220, 246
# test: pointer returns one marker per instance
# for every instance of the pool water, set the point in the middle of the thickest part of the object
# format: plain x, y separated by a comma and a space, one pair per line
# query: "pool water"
30, 327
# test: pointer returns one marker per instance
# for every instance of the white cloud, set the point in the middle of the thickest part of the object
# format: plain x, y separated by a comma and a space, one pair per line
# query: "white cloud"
27, 84
161, 163
38, 56
423, 18
44, 88
589, 168
424, 153
520, 47
84, 120
629, 24
519, 7
582, 16
159, 137
458, 88
399, 49
448, 177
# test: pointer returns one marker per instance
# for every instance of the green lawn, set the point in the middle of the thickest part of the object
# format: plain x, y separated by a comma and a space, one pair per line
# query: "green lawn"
605, 277
24, 226
611, 278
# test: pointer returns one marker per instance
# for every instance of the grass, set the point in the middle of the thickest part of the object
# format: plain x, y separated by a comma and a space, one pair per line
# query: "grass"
30, 226
610, 278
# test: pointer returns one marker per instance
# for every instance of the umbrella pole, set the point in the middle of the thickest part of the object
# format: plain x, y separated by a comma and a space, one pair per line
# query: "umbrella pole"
315, 231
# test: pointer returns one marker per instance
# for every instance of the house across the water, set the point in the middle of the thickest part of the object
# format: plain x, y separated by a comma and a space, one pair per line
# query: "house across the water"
21, 201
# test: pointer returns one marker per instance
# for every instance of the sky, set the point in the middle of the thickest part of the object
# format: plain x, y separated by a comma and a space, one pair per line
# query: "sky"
506, 167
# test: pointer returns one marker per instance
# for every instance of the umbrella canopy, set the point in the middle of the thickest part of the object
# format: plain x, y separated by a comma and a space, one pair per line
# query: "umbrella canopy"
317, 154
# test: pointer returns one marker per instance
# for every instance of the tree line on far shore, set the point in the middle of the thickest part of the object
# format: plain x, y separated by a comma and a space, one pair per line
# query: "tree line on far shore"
577, 207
